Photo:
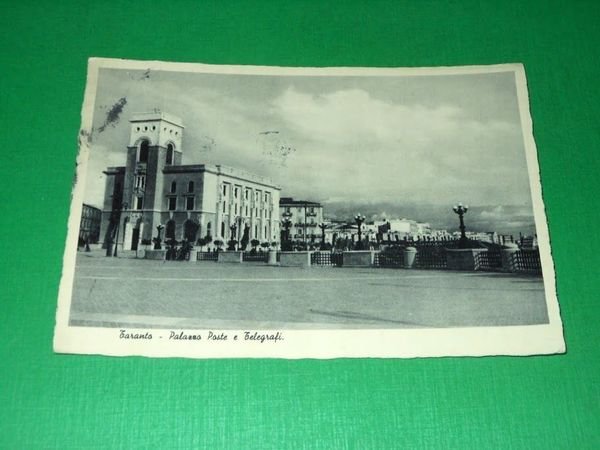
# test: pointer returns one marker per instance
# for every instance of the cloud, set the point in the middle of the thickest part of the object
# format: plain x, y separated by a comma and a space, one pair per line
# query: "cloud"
349, 142
333, 142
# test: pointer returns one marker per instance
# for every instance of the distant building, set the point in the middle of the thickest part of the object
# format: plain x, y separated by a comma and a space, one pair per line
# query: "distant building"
89, 227
305, 217
190, 201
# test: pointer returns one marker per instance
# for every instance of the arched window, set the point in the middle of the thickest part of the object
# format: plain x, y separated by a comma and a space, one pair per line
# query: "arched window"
190, 230
222, 229
191, 186
143, 156
173, 187
208, 229
170, 230
170, 152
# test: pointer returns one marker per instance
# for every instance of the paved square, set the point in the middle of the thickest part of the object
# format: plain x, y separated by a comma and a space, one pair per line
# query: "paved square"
136, 292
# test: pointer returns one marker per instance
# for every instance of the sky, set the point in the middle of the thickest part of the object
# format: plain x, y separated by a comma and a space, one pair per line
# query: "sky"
352, 140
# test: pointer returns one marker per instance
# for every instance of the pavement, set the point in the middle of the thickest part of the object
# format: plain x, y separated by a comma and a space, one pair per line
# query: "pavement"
119, 292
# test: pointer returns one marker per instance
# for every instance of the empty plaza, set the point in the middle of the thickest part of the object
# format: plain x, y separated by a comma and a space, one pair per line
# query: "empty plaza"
113, 292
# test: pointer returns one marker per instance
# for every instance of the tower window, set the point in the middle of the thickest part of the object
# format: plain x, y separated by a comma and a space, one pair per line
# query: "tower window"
140, 181
143, 157
170, 151
173, 187
189, 203
191, 186
139, 202
172, 203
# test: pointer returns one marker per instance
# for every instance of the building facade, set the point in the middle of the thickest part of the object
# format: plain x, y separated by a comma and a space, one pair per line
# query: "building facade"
304, 216
89, 227
154, 189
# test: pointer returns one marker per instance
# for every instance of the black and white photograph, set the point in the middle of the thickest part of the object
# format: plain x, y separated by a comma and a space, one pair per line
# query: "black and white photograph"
244, 211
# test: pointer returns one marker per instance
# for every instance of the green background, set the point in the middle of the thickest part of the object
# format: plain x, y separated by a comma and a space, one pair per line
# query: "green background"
62, 401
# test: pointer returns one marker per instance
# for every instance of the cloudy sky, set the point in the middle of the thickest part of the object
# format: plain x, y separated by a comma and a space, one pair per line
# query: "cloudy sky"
431, 140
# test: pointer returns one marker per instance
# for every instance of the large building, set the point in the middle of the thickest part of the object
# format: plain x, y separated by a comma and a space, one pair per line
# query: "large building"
304, 217
155, 189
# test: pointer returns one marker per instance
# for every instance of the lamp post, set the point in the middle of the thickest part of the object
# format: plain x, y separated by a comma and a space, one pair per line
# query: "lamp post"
233, 235
157, 242
359, 219
461, 211
238, 220
123, 206
286, 223
322, 226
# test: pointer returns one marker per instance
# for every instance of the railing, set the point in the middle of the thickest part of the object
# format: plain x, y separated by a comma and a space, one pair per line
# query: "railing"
490, 260
431, 257
206, 256
528, 261
427, 257
389, 260
255, 257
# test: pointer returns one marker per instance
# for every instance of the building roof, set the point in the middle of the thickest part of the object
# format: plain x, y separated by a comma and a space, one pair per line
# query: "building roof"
156, 115
289, 201
221, 170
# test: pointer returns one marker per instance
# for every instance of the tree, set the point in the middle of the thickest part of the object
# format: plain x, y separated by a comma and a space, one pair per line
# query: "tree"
231, 244
245, 238
218, 243
254, 243
265, 245
201, 242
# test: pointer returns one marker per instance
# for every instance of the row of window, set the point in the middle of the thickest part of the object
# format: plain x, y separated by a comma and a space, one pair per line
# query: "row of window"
247, 191
145, 149
153, 128
263, 212
311, 210
190, 187
189, 203
171, 203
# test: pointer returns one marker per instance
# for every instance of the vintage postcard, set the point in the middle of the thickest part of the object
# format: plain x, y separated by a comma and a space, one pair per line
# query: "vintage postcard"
240, 211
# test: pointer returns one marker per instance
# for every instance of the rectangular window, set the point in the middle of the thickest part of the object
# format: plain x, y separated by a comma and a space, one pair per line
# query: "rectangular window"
189, 203
139, 202
224, 189
246, 195
246, 210
224, 206
235, 209
172, 203
235, 192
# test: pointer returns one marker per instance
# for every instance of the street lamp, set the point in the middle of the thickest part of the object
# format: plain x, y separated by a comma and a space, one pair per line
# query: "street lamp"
359, 219
322, 226
286, 223
157, 242
233, 235
461, 211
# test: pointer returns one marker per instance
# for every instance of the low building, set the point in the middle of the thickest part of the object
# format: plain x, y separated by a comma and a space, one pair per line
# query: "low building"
89, 227
304, 217
155, 190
